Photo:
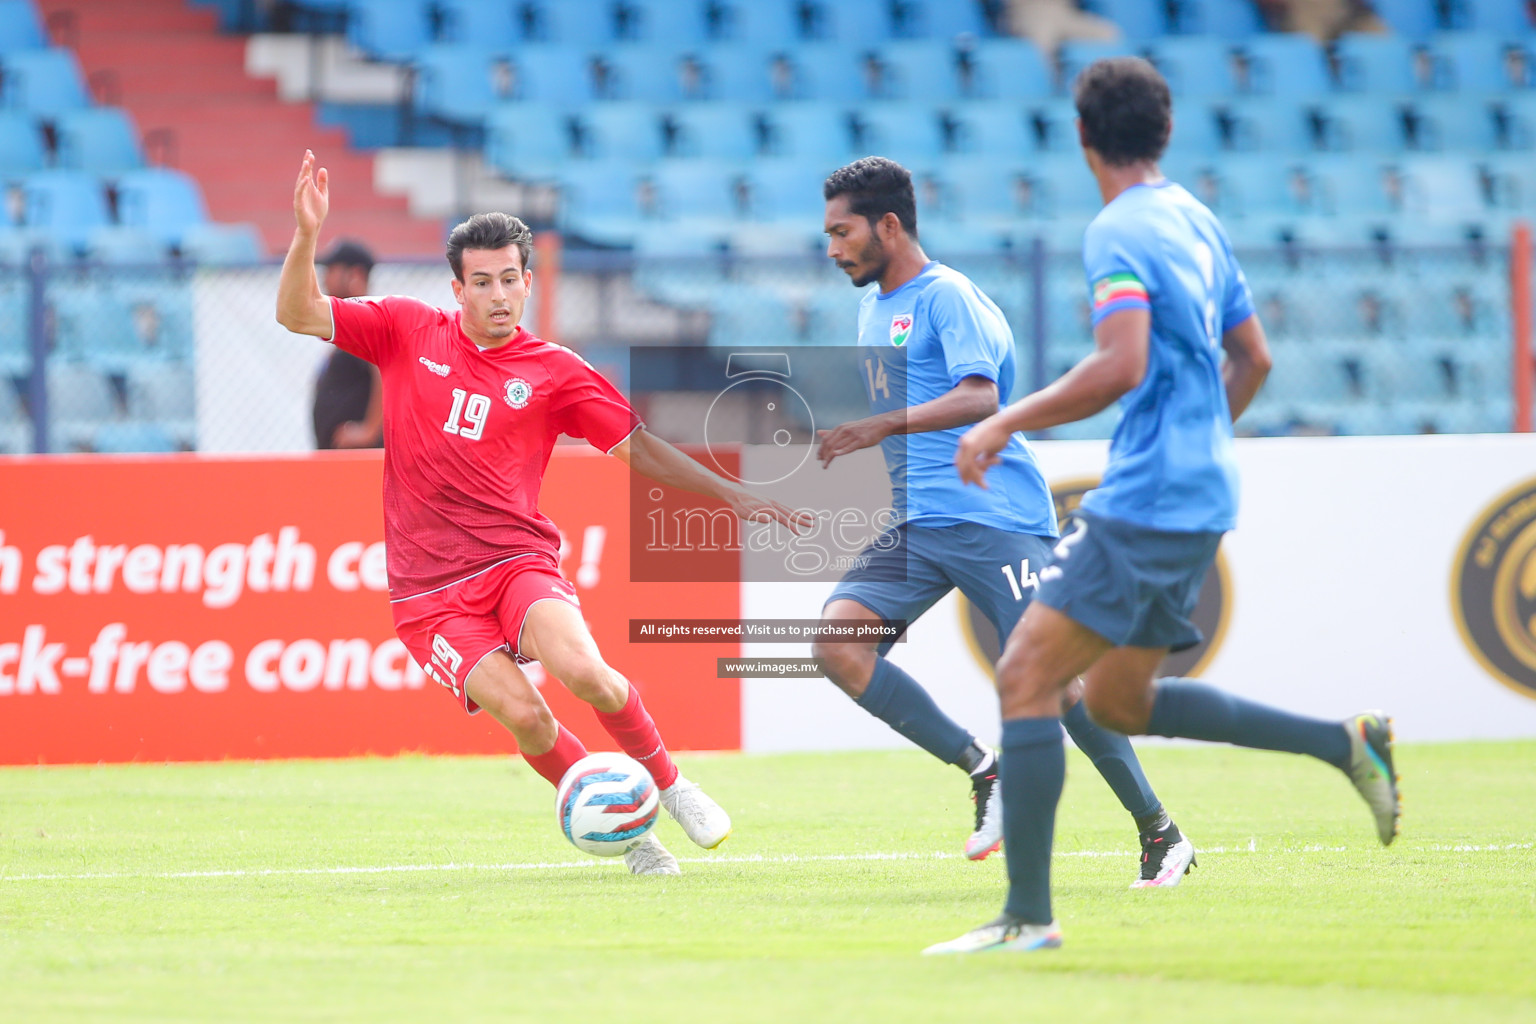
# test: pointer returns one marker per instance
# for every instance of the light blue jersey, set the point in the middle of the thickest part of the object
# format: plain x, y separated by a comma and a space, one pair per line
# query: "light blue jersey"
918, 342
1171, 463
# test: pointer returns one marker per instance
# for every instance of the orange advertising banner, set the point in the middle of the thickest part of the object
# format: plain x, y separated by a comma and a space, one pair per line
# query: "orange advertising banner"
172, 608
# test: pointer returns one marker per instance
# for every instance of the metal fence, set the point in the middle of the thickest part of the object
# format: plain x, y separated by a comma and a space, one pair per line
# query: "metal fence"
174, 357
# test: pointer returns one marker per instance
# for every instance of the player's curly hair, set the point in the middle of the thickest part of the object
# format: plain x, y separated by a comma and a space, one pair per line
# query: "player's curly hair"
875, 187
1126, 109
488, 231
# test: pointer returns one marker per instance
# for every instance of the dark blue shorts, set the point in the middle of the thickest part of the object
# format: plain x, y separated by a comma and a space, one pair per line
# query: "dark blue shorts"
1134, 586
909, 568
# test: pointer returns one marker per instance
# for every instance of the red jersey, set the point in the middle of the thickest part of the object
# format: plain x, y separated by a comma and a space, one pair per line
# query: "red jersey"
467, 436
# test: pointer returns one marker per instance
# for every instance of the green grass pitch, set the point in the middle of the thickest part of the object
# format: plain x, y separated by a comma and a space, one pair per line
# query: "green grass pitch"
438, 889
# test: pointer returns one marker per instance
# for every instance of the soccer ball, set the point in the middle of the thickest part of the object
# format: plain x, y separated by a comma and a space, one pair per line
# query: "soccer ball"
606, 804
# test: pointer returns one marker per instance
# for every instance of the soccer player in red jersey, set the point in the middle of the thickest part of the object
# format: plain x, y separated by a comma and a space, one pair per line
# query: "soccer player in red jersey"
473, 404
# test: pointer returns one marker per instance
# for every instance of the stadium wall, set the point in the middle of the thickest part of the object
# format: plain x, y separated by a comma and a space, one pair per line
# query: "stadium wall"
1390, 572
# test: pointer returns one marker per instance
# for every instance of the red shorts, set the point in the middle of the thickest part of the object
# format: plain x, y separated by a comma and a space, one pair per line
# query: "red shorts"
450, 631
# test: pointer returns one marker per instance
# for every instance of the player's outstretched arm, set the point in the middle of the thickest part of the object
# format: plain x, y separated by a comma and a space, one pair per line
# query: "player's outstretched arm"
1116, 365
972, 399
1248, 362
650, 456
300, 305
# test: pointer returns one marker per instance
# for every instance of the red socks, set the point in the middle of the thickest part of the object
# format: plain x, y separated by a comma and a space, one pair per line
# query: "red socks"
635, 732
553, 764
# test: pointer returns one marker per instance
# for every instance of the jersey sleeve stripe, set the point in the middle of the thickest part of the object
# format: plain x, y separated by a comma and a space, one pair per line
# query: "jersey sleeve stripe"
1119, 288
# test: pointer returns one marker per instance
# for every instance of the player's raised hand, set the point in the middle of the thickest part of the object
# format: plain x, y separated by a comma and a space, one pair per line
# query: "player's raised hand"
978, 451
311, 196
755, 509
848, 438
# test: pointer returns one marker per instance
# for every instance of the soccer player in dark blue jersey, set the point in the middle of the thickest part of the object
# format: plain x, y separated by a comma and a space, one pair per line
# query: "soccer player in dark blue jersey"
1168, 300
936, 354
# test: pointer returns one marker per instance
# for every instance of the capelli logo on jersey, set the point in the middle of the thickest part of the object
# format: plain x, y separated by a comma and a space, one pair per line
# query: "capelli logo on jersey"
1493, 589
440, 369
1212, 614
901, 328
517, 392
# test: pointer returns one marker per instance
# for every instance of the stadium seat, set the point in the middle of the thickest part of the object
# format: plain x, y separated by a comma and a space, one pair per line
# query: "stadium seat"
706, 191
1068, 188
993, 192
125, 246
913, 70
811, 131
66, 205
1351, 185
768, 24
1364, 124
906, 132
1375, 64
993, 128
21, 145
1269, 125
160, 310
119, 438
80, 398
739, 74
102, 140
497, 26
1507, 16
162, 201
15, 326
1226, 19
1261, 184
830, 72
937, 19
1055, 124
389, 29
1516, 117
788, 191
19, 27
551, 74
1073, 56
651, 74
728, 131
1413, 19
529, 141
43, 82
670, 22
1453, 123
745, 315
832, 315
1286, 64
164, 392
850, 23
1442, 188
602, 200
577, 23
1512, 182
461, 82
1196, 67
1195, 130
1004, 69
1471, 62
222, 244
621, 131
1136, 18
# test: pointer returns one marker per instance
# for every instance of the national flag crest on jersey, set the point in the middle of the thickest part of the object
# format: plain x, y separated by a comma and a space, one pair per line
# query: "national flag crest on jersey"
901, 328
517, 392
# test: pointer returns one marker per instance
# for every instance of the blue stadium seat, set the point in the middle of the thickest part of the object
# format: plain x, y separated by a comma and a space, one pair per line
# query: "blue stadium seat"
622, 131
21, 144
746, 315
162, 201
222, 244
122, 438
1472, 62
494, 26
1413, 19
389, 29
848, 23
19, 27
728, 131
1259, 185
993, 128
15, 320
461, 81
44, 82
1068, 187
1195, 130
163, 392
906, 132
1138, 19
102, 140
1442, 188
1375, 64
937, 19
577, 23
1269, 125
650, 73
788, 190
160, 312
669, 22
993, 191
1228, 19
1507, 16
1197, 67
1517, 120
80, 399
552, 74
1072, 57
830, 72
740, 74
919, 69
1006, 69
601, 200
1286, 64
125, 246
832, 315
701, 190
1352, 185
1056, 126
530, 141
1364, 124
768, 24
811, 131
1453, 123
66, 205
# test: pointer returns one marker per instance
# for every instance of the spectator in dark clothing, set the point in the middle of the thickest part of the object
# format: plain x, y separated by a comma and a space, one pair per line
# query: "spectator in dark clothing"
349, 400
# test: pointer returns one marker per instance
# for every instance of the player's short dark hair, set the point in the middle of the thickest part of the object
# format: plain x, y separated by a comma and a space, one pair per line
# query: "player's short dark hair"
488, 231
1126, 110
875, 187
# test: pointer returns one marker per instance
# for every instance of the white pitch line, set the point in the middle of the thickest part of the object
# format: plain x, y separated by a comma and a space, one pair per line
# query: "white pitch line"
591, 862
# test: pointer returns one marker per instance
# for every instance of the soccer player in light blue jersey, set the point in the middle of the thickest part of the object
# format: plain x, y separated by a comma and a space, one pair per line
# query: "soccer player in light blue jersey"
936, 355
1168, 300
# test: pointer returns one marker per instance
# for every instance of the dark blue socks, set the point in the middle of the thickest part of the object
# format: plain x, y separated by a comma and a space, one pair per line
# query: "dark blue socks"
1112, 755
1197, 711
899, 701
1032, 768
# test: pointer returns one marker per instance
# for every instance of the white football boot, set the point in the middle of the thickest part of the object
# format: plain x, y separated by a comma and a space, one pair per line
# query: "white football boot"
1005, 934
1372, 771
651, 858
987, 794
1166, 857
704, 821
